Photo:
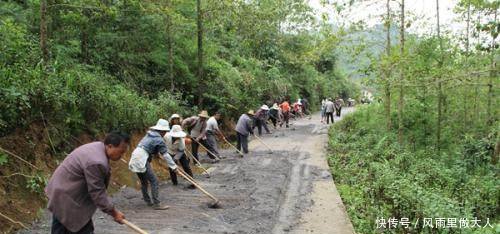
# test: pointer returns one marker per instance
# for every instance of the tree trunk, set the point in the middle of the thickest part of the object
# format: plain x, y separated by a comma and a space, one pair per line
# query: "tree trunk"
465, 88
440, 85
388, 72
491, 96
200, 53
170, 45
401, 91
43, 31
475, 108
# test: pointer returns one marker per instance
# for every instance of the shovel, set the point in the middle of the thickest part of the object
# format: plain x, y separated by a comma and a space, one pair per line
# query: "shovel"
216, 203
134, 227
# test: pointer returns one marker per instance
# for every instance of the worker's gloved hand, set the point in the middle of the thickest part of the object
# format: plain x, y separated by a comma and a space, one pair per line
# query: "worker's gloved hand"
118, 216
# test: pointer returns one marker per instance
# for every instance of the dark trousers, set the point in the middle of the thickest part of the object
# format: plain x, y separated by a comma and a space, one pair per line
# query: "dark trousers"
259, 123
59, 228
242, 142
212, 143
328, 116
338, 109
149, 177
274, 120
195, 146
286, 118
184, 161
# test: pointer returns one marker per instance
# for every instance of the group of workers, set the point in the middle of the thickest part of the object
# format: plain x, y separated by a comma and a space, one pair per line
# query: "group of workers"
329, 107
78, 185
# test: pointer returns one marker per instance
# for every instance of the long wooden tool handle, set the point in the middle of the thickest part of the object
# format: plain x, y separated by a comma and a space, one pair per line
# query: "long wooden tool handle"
233, 146
196, 160
206, 148
258, 138
134, 227
196, 185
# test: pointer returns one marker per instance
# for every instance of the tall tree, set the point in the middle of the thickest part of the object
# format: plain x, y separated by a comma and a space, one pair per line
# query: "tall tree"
43, 31
199, 23
491, 96
467, 53
439, 83
388, 71
170, 45
402, 74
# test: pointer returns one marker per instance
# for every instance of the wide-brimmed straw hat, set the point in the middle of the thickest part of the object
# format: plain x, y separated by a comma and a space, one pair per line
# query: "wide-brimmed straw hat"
161, 125
251, 112
203, 114
275, 106
177, 131
264, 107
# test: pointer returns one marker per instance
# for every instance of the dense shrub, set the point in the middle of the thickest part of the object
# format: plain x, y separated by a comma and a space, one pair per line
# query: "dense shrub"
377, 178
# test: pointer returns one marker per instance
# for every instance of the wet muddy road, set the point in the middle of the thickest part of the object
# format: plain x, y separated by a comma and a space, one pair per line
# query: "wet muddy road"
264, 192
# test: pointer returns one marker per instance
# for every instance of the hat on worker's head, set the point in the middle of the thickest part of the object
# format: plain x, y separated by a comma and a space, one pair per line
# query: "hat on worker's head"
161, 125
203, 114
275, 106
264, 107
250, 112
177, 131
174, 116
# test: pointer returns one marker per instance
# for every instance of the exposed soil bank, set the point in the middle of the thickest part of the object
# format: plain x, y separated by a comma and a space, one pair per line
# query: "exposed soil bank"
260, 193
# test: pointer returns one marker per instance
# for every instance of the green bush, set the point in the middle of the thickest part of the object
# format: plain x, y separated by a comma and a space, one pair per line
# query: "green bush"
377, 177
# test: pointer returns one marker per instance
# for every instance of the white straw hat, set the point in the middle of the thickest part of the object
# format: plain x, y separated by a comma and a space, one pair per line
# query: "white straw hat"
264, 107
161, 125
177, 131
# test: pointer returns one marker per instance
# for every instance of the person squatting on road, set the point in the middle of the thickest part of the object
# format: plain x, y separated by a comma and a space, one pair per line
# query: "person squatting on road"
260, 118
140, 162
78, 186
176, 149
329, 109
197, 128
243, 130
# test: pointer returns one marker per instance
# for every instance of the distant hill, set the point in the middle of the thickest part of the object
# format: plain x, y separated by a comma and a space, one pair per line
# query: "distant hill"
358, 48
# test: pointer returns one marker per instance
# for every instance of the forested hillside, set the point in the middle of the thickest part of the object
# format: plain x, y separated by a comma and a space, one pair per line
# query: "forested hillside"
72, 70
430, 149
427, 148
149, 53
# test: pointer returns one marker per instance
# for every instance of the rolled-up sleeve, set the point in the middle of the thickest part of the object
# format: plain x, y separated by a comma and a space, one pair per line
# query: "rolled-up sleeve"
95, 176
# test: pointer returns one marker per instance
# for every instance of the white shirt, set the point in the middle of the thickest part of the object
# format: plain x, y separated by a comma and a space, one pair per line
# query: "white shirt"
212, 125
175, 149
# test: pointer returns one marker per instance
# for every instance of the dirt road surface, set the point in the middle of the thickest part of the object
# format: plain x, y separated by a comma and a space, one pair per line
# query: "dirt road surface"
287, 191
